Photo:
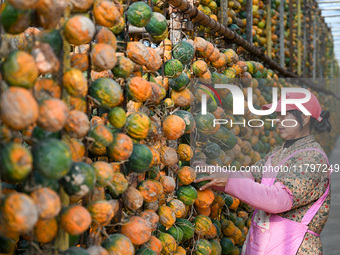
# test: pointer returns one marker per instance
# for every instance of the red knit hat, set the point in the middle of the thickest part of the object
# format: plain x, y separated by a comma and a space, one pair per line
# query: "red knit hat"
313, 105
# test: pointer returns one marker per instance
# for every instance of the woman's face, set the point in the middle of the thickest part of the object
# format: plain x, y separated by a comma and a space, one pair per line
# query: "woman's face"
291, 129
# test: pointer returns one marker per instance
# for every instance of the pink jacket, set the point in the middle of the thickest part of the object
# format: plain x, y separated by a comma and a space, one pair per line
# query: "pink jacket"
273, 199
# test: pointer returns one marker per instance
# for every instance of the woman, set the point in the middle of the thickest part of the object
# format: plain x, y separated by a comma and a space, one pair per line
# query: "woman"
291, 205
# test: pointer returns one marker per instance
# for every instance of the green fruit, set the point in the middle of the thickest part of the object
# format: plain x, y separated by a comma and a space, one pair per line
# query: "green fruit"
140, 158
188, 119
227, 245
198, 185
224, 138
205, 123
157, 24
211, 150
52, 158
40, 134
184, 52
187, 228
13, 20
79, 180
123, 68
179, 83
107, 92
187, 194
39, 181
19, 69
15, 162
145, 251
216, 248
76, 251
139, 14
203, 247
117, 117
7, 245
53, 38
177, 233
173, 68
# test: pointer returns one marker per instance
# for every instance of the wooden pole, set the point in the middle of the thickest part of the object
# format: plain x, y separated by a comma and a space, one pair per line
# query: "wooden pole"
282, 34
305, 41
224, 17
62, 239
291, 49
249, 24
175, 25
299, 36
315, 46
224, 11
269, 29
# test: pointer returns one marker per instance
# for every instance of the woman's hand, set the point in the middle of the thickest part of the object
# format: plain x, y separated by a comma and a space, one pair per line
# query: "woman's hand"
216, 179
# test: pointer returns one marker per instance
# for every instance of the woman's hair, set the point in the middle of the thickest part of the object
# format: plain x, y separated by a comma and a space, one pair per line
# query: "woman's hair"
319, 127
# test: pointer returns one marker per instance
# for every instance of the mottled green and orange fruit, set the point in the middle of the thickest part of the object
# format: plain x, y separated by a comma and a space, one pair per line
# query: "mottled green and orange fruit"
199, 67
101, 135
14, 20
51, 158
156, 157
123, 68
46, 88
103, 57
182, 98
75, 83
79, 30
106, 36
75, 219
139, 88
118, 244
173, 127
52, 114
154, 244
78, 104
77, 124
106, 13
169, 244
137, 125
107, 92
101, 212
138, 53
80, 61
158, 93
117, 117
155, 60
104, 173
121, 147
47, 201
16, 162
81, 5
45, 231
14, 111
24, 4
137, 229
20, 70
167, 216
186, 175
19, 213
151, 190
77, 148
139, 14
97, 250
185, 152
